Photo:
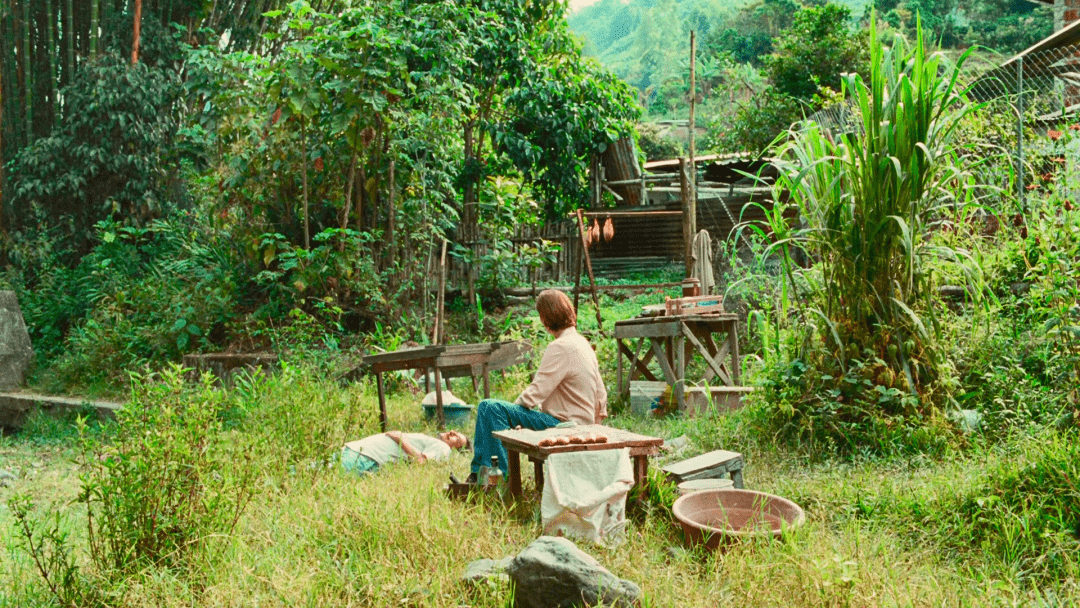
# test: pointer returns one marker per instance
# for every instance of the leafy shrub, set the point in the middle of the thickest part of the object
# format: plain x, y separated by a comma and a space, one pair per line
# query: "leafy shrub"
168, 481
107, 159
866, 407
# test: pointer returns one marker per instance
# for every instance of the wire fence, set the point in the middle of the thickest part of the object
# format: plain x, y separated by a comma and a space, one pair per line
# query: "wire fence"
1036, 95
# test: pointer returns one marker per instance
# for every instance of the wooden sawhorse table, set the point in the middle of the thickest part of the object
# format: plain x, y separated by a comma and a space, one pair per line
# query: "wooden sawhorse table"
449, 360
526, 442
672, 341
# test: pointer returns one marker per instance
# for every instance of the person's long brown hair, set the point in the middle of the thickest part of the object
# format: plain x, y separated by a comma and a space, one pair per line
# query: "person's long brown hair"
556, 310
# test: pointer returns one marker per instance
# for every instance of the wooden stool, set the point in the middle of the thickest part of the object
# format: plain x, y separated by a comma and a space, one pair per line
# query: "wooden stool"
711, 465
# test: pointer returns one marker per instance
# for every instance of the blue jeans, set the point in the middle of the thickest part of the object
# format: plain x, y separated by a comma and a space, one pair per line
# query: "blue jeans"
497, 415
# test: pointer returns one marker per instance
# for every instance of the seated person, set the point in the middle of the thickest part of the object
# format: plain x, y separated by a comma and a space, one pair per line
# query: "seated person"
369, 453
567, 386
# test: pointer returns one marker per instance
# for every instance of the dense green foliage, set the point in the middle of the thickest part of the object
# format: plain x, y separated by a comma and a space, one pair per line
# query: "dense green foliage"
210, 189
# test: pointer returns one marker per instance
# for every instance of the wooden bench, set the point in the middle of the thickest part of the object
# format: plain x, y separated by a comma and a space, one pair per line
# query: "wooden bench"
711, 465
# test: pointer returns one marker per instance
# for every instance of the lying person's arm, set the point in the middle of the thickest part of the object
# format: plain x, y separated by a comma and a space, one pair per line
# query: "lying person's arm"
406, 447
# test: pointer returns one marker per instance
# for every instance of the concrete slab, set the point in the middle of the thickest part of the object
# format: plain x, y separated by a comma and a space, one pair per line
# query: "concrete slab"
16, 407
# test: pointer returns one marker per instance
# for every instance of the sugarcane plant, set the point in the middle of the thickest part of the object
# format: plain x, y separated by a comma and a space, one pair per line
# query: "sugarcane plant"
864, 201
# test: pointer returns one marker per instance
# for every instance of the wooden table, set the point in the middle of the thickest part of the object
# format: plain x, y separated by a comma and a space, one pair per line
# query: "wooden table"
448, 360
672, 341
526, 442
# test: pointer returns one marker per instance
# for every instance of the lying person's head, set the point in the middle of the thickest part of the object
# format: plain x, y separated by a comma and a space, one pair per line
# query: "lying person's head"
454, 439
555, 309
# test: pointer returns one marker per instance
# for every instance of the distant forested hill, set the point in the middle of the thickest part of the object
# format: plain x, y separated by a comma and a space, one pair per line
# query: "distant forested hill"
646, 42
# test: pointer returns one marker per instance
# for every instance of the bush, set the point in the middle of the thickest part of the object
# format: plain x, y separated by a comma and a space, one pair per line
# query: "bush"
865, 408
167, 482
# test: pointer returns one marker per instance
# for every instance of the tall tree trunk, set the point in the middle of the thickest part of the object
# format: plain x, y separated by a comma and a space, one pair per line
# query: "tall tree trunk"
303, 178
3, 62
468, 211
69, 35
28, 73
135, 39
349, 188
50, 26
93, 28
391, 220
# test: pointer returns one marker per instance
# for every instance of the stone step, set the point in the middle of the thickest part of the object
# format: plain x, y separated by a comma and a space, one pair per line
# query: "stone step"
16, 407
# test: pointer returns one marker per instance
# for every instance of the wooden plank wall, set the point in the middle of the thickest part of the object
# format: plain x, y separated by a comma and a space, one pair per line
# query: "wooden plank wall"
638, 234
661, 235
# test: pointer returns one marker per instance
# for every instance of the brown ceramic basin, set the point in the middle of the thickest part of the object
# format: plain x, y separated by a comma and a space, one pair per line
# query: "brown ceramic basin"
715, 516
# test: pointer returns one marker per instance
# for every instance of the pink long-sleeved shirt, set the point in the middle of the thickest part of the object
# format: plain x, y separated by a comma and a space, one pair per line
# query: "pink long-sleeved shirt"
568, 385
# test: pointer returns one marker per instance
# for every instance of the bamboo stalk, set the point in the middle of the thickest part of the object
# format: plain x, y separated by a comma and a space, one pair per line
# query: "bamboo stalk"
28, 73
51, 49
93, 28
69, 35
106, 9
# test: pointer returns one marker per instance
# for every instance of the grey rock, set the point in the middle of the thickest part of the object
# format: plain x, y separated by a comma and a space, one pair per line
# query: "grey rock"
487, 569
16, 353
553, 573
6, 474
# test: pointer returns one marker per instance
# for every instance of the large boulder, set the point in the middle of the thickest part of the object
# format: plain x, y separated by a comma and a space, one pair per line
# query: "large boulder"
553, 573
16, 354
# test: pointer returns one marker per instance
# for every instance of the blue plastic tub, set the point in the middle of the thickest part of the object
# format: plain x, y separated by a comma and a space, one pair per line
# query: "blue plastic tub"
456, 414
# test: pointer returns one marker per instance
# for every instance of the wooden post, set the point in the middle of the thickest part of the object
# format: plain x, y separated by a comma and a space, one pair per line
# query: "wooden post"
693, 103
588, 265
382, 401
688, 209
690, 196
438, 399
437, 334
579, 263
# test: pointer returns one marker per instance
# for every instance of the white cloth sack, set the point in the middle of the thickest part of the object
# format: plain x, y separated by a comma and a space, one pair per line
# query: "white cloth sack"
585, 495
448, 398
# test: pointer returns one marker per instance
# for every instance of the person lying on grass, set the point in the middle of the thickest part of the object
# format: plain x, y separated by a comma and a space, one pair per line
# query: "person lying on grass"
567, 387
367, 454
